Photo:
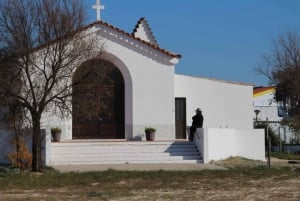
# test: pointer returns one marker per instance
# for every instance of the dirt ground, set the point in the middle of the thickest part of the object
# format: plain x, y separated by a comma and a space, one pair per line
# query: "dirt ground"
225, 189
203, 189
231, 184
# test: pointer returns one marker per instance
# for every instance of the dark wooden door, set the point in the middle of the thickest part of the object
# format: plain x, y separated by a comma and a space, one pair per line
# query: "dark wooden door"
98, 101
180, 118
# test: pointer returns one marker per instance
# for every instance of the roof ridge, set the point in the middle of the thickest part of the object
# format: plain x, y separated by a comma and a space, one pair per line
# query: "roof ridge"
139, 22
217, 80
155, 46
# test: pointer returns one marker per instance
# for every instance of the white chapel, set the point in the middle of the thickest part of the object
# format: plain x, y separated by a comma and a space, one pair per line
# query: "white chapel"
141, 89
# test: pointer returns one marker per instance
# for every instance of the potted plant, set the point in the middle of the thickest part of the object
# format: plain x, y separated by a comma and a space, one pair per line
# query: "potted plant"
150, 133
56, 134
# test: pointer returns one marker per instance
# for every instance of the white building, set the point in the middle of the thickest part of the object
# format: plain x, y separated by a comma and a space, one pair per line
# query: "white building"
151, 87
267, 107
142, 89
265, 103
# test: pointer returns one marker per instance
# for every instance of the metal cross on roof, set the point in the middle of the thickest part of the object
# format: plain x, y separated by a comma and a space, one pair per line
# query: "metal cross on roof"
98, 8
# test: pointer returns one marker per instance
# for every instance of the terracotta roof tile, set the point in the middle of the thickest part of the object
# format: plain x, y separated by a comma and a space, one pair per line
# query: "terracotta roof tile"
171, 54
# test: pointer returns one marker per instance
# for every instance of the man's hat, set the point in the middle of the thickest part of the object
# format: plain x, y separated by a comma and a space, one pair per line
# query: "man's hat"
198, 110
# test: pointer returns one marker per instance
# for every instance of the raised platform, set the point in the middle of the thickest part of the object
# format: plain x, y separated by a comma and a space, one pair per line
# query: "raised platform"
78, 152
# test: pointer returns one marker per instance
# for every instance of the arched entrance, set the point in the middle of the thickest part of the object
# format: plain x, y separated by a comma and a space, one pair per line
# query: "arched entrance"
98, 101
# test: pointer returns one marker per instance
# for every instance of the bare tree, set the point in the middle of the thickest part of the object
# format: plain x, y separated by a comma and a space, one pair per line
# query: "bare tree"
282, 67
44, 46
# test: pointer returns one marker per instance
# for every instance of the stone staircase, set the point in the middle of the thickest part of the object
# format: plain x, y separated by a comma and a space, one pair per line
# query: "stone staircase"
91, 152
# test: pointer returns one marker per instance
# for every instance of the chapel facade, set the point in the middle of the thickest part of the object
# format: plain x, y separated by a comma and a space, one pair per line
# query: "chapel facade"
133, 85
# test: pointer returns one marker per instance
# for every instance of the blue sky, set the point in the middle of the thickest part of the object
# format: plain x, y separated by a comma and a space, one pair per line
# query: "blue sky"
222, 39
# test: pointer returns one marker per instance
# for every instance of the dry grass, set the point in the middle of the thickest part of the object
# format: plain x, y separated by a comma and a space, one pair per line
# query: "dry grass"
244, 180
238, 163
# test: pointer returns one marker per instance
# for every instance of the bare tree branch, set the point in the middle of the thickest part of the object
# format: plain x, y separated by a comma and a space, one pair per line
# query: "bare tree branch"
44, 48
282, 68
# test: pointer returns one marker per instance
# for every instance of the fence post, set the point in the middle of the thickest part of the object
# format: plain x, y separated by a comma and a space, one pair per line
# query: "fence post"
268, 144
280, 144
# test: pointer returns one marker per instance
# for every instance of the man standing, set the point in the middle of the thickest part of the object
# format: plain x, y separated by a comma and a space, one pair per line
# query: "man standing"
196, 123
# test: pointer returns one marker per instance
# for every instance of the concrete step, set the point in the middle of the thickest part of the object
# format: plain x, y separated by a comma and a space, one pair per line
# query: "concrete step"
123, 144
143, 154
130, 158
123, 152
126, 162
118, 150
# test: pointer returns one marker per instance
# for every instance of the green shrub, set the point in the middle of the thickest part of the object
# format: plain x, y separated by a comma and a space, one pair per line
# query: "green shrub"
286, 156
55, 129
149, 129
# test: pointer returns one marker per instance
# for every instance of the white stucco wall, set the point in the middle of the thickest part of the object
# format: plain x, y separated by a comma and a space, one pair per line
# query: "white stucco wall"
49, 120
143, 32
152, 78
270, 112
149, 85
218, 144
224, 104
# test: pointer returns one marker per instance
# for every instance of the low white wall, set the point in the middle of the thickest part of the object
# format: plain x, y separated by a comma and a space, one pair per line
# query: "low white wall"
251, 144
218, 144
46, 146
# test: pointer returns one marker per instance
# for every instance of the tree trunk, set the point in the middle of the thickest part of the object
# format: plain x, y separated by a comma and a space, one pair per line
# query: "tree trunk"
17, 134
37, 164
